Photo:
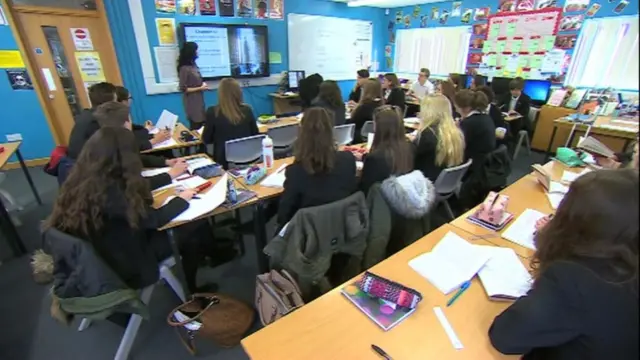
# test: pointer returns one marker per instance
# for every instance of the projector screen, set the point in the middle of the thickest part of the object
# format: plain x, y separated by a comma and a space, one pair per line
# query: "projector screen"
239, 51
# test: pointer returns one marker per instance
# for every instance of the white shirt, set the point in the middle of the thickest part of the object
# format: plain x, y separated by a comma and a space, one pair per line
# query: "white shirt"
421, 91
513, 103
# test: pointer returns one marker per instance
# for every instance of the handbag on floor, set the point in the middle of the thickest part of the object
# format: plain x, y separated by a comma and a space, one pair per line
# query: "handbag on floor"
216, 317
277, 294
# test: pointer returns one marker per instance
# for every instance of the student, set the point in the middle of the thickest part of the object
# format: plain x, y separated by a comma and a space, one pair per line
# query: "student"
309, 88
393, 93
362, 76
439, 143
448, 89
106, 202
192, 85
371, 98
141, 132
494, 112
330, 98
391, 153
231, 119
516, 102
457, 81
584, 299
477, 127
320, 174
423, 86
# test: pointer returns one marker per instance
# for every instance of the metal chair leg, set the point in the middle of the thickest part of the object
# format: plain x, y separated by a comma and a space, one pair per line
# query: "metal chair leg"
448, 209
132, 328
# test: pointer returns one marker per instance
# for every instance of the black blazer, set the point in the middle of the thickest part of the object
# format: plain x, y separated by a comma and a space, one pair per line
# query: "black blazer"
85, 125
396, 97
577, 310
523, 105
497, 117
354, 95
425, 159
218, 130
302, 189
339, 112
480, 137
128, 250
142, 137
376, 168
361, 114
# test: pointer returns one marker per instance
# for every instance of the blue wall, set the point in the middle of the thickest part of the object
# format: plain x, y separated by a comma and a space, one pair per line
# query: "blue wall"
20, 111
606, 10
150, 106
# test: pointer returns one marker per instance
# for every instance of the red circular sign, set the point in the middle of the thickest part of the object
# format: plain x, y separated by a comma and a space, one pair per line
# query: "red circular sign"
80, 34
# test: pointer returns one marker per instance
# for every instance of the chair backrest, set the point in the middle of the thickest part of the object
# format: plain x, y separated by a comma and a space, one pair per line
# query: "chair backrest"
449, 179
343, 134
245, 150
283, 136
367, 128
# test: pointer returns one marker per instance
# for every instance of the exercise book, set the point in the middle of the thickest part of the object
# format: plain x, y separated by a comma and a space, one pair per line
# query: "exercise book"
205, 202
503, 277
522, 231
276, 179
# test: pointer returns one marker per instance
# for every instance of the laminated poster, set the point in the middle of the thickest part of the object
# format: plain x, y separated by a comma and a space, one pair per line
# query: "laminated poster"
482, 14
226, 7
245, 8
166, 6
466, 16
416, 11
575, 5
456, 8
423, 21
207, 7
166, 32
276, 9
187, 7
261, 9
435, 14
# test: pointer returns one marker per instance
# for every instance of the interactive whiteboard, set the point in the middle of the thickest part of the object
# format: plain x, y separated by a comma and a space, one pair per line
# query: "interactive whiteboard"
333, 47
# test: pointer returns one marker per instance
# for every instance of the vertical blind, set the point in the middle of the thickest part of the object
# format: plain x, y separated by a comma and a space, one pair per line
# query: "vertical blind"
441, 50
606, 54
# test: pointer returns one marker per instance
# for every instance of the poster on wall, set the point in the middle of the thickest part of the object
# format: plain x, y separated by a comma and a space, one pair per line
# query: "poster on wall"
399, 17
166, 32
543, 4
506, 5
207, 7
407, 21
423, 21
621, 5
456, 8
525, 5
166, 63
571, 23
226, 7
477, 43
166, 6
565, 41
480, 29
435, 14
187, 7
90, 66
276, 9
416, 11
444, 17
82, 39
575, 5
466, 16
19, 79
245, 8
261, 9
481, 14
593, 9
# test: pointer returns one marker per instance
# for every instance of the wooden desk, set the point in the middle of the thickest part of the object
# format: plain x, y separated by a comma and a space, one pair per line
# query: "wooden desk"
263, 128
525, 193
331, 327
617, 139
283, 104
180, 144
15, 242
544, 127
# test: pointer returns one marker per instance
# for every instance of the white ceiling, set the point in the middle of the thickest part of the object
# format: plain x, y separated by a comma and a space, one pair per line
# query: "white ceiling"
392, 3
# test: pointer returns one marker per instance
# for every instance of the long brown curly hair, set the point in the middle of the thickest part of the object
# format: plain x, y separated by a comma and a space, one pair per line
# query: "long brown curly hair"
597, 219
315, 147
109, 161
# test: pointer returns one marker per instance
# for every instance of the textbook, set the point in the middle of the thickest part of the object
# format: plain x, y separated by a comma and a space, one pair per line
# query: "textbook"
593, 146
503, 277
385, 314
557, 97
576, 98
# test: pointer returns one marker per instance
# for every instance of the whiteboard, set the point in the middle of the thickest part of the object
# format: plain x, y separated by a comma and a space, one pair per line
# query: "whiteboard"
333, 47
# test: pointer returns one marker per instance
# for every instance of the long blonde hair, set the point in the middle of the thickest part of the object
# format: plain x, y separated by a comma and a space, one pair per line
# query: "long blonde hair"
230, 100
435, 111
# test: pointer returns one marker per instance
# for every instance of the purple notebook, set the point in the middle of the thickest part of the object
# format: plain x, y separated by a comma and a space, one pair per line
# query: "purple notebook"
382, 312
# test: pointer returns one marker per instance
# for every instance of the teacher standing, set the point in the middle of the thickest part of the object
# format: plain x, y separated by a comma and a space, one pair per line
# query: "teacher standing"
191, 85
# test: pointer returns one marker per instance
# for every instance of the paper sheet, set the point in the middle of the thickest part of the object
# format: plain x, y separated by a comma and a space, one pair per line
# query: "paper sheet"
206, 202
504, 274
412, 120
570, 176
556, 187
451, 262
555, 200
167, 143
187, 182
154, 172
154, 131
522, 231
167, 120
276, 179
166, 58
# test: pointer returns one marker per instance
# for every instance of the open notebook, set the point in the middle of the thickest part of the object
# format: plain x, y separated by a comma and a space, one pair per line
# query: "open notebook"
450, 263
275, 179
523, 230
503, 277
205, 202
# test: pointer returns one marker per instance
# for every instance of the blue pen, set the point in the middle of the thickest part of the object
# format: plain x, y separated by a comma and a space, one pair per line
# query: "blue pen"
462, 289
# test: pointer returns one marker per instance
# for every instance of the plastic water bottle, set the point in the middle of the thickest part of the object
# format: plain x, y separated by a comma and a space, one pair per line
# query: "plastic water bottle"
232, 194
267, 152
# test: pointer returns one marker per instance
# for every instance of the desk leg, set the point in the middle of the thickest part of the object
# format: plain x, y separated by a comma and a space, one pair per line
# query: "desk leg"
553, 136
28, 176
571, 137
261, 237
178, 267
13, 238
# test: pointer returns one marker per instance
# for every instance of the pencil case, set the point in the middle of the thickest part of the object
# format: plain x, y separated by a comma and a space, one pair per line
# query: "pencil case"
388, 290
493, 208
254, 175
209, 171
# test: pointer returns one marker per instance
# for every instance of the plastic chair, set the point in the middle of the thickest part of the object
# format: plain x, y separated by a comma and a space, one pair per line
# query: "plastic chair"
283, 138
448, 183
136, 320
244, 151
10, 203
343, 134
523, 136
367, 128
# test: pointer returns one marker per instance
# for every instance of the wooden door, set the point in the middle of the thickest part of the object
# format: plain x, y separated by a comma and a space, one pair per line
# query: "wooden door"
70, 51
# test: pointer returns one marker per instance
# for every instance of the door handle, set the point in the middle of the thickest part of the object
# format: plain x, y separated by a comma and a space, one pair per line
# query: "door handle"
51, 96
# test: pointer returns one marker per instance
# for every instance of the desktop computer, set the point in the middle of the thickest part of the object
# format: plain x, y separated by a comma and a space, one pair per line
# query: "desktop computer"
537, 90
294, 77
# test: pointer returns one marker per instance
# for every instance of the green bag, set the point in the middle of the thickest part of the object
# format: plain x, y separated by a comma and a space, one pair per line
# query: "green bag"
569, 157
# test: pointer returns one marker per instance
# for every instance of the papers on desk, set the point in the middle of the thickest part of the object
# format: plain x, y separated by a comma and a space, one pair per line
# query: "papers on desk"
154, 131
200, 131
555, 199
503, 277
557, 188
412, 120
167, 143
189, 182
570, 176
522, 231
206, 202
197, 162
154, 172
451, 262
276, 179
167, 120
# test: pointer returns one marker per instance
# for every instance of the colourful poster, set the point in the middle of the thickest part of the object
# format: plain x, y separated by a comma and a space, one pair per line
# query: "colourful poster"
261, 9
166, 32
593, 9
490, 60
207, 7
548, 42
467, 14
525, 5
407, 21
276, 9
19, 79
536, 61
166, 6
423, 21
488, 46
187, 7
533, 45
514, 45
90, 66
477, 43
416, 11
482, 14
245, 8
226, 8
523, 62
571, 23
575, 5
506, 5
480, 29
435, 14
565, 41
11, 59
494, 31
511, 28
456, 8
500, 46
399, 17
543, 4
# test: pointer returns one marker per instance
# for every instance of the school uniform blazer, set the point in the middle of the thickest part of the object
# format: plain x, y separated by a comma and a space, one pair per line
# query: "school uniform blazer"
480, 137
522, 107
354, 95
396, 97
362, 113
578, 309
339, 112
218, 130
376, 169
425, 156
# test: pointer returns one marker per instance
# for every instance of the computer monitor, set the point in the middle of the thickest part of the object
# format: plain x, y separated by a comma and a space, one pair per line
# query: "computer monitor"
537, 90
294, 77
500, 85
468, 81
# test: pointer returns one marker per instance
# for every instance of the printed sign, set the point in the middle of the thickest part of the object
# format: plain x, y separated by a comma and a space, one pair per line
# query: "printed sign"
90, 66
82, 39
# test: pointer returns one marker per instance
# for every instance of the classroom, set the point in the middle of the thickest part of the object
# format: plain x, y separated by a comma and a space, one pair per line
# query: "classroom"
319, 179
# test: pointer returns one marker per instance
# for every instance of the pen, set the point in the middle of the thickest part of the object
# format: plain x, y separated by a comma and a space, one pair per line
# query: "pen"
184, 177
381, 352
462, 289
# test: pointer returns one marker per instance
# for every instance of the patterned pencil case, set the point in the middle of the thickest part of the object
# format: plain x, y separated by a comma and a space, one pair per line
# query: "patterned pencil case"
388, 290
254, 175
